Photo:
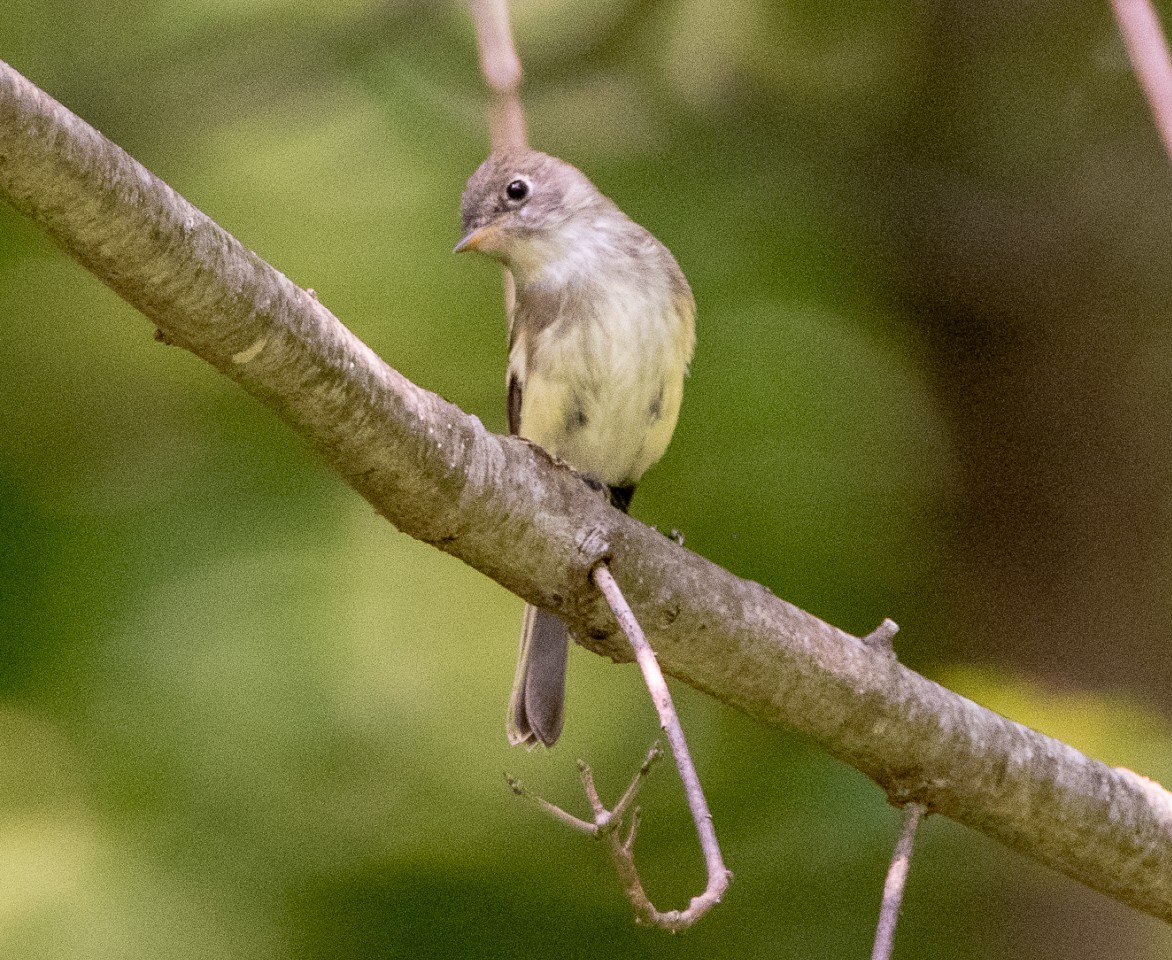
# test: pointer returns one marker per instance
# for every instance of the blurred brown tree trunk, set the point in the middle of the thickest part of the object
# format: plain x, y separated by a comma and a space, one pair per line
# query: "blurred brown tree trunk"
1036, 208
1042, 278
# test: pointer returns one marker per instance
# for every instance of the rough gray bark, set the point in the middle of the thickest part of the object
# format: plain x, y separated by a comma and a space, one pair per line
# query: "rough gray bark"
503, 507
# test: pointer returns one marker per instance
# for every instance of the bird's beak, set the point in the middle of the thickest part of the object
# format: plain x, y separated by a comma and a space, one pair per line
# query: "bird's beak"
482, 239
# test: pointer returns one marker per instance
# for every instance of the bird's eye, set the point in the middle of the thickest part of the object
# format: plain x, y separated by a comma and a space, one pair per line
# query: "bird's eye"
517, 190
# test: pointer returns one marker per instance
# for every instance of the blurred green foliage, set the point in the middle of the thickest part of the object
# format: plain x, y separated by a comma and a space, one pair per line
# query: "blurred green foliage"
243, 717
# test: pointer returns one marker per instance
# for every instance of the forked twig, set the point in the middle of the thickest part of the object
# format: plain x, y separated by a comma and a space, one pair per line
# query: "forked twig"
552, 809
608, 827
893, 886
718, 874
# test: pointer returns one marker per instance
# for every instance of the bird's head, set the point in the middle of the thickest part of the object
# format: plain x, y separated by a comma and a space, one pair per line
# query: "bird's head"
528, 209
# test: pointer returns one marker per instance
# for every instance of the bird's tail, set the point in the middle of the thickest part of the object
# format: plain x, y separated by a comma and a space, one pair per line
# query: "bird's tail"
537, 705
538, 702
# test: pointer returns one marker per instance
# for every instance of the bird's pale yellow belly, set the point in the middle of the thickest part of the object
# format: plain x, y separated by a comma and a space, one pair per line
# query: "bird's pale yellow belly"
604, 395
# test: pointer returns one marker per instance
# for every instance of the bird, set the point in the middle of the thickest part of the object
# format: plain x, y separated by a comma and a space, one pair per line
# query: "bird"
600, 339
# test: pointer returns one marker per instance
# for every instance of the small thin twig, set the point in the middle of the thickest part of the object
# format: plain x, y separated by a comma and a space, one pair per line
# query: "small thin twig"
628, 796
1148, 50
893, 886
882, 636
551, 808
632, 829
718, 874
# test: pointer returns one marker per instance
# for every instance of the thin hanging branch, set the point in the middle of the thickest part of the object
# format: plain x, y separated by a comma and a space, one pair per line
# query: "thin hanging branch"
504, 508
1148, 50
718, 874
893, 887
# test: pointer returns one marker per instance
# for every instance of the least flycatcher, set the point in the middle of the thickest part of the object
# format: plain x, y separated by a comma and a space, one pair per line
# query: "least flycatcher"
600, 340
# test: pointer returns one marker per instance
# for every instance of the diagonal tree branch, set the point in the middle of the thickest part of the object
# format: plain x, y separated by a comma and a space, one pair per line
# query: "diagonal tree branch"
503, 507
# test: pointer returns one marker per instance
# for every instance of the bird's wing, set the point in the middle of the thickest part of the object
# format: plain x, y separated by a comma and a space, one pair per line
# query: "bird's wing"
514, 404
536, 308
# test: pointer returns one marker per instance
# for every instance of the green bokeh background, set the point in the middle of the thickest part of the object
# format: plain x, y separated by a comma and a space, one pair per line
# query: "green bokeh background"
242, 717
